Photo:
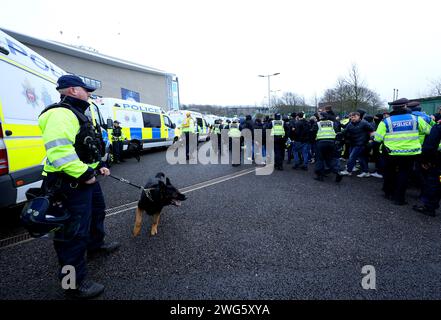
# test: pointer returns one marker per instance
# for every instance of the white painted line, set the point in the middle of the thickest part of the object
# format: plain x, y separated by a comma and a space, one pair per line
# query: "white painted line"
195, 187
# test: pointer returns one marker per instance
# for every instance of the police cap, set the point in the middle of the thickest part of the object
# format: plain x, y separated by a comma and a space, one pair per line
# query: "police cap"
400, 103
70, 80
414, 105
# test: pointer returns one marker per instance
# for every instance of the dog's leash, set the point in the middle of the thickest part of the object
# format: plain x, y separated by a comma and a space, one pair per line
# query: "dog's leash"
146, 191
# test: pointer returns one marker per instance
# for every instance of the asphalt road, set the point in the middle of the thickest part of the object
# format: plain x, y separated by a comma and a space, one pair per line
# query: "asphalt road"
282, 236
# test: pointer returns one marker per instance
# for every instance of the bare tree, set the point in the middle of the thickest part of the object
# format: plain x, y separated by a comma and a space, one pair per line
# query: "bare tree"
435, 87
351, 93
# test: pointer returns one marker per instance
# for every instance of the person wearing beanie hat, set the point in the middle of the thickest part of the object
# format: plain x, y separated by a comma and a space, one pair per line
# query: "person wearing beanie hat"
399, 134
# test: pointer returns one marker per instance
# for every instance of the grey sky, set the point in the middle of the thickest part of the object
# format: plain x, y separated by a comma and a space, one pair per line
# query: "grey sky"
217, 48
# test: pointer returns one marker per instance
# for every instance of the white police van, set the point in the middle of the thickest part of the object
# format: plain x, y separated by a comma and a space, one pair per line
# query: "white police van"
28, 83
201, 125
144, 125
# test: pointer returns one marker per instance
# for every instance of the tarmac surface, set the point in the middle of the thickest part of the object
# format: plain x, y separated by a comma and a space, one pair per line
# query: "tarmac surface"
281, 236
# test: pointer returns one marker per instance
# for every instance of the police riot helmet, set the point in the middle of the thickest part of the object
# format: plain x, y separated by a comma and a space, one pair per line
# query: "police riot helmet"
44, 216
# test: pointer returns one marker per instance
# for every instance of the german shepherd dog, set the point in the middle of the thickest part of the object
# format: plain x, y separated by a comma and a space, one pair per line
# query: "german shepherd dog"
134, 150
158, 193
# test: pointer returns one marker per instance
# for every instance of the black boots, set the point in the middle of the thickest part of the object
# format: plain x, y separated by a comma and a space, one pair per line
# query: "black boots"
87, 290
105, 248
319, 178
424, 210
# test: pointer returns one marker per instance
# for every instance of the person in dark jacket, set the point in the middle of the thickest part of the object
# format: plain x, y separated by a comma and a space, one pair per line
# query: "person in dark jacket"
357, 132
431, 171
248, 124
291, 133
377, 156
258, 132
301, 141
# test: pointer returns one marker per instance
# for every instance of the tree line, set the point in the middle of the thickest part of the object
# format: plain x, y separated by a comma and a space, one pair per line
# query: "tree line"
350, 93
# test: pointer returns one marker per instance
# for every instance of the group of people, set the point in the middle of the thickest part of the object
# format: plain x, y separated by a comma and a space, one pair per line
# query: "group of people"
403, 144
403, 141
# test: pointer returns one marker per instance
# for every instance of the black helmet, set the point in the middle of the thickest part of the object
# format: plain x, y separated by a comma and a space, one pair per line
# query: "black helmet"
42, 216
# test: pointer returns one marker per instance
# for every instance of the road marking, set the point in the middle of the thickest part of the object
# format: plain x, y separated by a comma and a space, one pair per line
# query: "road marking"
25, 237
197, 186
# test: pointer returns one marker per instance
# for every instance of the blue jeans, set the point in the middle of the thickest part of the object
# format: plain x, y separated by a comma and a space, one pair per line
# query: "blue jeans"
357, 152
301, 147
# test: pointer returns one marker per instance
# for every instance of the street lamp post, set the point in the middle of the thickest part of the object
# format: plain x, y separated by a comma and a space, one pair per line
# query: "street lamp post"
269, 86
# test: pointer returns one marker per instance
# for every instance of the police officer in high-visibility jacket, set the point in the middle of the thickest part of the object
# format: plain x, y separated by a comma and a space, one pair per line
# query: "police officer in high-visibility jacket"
325, 131
188, 130
117, 137
399, 134
216, 136
279, 130
234, 136
73, 159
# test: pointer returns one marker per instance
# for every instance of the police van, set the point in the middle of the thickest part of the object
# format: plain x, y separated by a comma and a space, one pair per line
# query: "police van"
27, 86
201, 125
145, 125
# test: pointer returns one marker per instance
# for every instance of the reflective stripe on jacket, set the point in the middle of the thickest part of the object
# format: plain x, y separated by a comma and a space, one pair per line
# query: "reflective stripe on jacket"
277, 129
400, 134
59, 127
325, 130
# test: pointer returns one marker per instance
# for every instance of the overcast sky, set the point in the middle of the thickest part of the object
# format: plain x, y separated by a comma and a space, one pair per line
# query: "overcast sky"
217, 48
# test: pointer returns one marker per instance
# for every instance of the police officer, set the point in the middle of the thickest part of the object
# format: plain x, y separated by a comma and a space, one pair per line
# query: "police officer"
216, 136
188, 129
399, 134
278, 130
325, 130
117, 137
431, 171
73, 158
234, 136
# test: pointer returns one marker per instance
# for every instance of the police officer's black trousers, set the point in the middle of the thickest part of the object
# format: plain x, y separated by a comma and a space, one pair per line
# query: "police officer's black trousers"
325, 155
117, 147
396, 174
431, 188
87, 202
279, 151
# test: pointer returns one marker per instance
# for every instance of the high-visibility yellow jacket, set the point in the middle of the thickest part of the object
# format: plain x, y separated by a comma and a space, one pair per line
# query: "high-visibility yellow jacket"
234, 131
122, 137
277, 129
400, 134
325, 130
188, 125
60, 127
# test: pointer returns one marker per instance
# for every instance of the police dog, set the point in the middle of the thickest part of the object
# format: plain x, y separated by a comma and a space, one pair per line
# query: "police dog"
158, 193
134, 149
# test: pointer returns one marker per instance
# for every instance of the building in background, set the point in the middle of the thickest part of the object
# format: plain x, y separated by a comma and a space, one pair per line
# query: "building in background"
430, 104
113, 77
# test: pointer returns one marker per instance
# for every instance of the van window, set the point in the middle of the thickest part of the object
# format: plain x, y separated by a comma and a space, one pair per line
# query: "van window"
151, 120
167, 122
199, 122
